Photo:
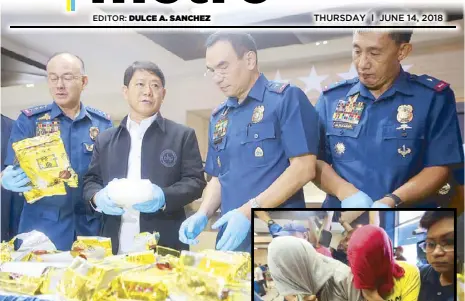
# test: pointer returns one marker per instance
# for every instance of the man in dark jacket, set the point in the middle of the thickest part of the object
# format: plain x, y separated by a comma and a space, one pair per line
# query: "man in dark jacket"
145, 146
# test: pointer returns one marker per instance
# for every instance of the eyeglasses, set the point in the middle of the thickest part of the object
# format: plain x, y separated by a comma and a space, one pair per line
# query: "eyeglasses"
430, 246
67, 78
221, 71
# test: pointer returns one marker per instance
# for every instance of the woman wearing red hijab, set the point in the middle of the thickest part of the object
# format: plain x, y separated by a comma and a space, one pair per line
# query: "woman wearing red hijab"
375, 271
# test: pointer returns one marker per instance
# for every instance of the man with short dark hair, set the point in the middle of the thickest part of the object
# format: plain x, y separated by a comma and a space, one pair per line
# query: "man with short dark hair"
60, 217
437, 277
145, 146
399, 254
388, 137
263, 142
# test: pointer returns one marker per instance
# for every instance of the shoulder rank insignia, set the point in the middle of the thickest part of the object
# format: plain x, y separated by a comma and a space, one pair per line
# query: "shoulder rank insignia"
218, 108
36, 110
340, 84
277, 87
98, 112
431, 82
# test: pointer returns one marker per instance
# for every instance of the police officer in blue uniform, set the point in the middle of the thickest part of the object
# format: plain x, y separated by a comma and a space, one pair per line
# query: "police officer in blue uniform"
389, 137
263, 142
60, 217
5, 201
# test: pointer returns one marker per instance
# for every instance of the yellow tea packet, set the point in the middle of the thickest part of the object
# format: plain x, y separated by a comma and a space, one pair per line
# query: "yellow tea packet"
91, 247
45, 162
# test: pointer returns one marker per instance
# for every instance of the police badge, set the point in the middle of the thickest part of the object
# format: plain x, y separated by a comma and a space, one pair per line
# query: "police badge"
257, 115
93, 132
404, 116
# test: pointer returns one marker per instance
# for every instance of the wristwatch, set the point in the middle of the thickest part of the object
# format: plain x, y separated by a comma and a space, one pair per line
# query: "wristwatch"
254, 203
396, 199
93, 205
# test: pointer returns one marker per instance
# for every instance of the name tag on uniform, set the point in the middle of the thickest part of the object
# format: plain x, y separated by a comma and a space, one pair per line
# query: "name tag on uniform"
348, 113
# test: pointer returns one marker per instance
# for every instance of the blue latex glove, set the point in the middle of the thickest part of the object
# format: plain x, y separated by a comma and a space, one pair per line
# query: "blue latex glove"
105, 204
274, 228
153, 205
192, 227
358, 200
380, 205
236, 230
15, 179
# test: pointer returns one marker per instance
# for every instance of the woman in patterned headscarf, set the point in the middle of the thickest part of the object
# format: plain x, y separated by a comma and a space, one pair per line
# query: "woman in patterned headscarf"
301, 273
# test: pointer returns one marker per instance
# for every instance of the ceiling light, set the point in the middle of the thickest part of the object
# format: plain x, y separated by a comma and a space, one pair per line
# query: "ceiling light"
317, 43
325, 42
29, 85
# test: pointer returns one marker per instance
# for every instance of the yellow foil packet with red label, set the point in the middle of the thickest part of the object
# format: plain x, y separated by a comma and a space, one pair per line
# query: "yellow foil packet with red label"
233, 266
45, 162
145, 241
202, 286
92, 247
145, 283
21, 284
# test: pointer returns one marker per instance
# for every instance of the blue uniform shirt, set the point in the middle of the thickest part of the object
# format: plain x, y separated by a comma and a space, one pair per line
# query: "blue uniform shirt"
378, 145
61, 217
250, 144
6, 196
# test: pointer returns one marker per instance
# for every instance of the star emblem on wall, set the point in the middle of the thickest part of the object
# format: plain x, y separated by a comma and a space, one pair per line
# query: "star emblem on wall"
313, 81
278, 78
349, 74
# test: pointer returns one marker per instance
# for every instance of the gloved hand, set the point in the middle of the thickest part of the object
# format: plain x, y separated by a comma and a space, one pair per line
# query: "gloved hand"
380, 205
274, 228
192, 227
15, 179
153, 205
358, 200
105, 204
238, 225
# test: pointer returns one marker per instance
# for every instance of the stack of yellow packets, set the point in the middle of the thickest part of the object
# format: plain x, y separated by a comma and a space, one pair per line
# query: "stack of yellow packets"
83, 279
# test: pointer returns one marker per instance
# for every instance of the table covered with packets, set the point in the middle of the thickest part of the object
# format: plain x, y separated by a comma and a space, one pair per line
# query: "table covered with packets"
89, 272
